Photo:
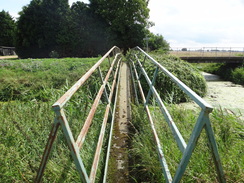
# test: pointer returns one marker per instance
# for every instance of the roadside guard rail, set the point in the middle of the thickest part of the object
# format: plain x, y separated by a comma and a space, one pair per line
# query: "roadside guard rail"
109, 91
137, 60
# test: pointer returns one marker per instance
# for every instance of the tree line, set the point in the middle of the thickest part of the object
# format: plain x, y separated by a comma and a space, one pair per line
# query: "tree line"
51, 28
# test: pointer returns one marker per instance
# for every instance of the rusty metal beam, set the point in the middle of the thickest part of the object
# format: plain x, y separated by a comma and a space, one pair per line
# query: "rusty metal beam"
60, 119
48, 148
112, 125
156, 138
62, 100
102, 132
81, 137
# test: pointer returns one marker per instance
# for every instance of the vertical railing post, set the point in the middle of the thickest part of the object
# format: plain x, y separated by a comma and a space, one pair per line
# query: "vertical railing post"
214, 150
133, 83
189, 148
72, 146
48, 148
102, 80
153, 83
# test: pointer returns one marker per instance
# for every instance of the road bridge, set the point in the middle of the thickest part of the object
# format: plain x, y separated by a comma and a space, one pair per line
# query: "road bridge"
213, 59
210, 54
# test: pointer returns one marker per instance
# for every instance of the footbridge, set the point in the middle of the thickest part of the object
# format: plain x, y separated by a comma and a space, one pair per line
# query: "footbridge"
210, 54
121, 84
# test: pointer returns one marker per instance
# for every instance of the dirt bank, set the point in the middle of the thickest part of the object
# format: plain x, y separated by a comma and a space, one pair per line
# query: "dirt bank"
8, 57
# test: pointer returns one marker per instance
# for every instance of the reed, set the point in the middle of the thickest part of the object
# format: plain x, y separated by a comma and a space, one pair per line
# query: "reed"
28, 90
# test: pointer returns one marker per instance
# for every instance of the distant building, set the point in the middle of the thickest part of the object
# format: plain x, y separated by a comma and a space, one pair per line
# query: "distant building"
4, 51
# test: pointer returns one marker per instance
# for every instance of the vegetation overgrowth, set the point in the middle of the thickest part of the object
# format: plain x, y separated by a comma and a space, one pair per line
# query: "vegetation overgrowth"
229, 72
39, 79
28, 90
227, 127
228, 133
184, 71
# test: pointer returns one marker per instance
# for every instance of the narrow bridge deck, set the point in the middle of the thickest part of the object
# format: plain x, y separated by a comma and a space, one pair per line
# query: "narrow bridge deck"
206, 59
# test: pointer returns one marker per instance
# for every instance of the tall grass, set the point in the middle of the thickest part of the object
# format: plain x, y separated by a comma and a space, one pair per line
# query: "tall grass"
228, 133
23, 134
26, 118
184, 71
33, 79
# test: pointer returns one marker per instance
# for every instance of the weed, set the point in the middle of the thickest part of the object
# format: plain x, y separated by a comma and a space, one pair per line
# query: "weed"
229, 137
184, 71
27, 91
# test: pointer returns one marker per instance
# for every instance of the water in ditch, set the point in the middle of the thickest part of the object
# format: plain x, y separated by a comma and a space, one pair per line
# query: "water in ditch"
224, 94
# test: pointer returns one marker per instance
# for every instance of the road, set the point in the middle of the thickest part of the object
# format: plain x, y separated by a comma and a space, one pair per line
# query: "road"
8, 57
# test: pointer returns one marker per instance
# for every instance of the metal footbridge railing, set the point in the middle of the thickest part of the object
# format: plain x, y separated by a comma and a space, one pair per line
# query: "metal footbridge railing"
137, 60
61, 120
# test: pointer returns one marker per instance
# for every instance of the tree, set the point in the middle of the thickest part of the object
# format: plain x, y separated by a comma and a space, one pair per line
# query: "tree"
7, 27
43, 28
157, 41
89, 32
127, 20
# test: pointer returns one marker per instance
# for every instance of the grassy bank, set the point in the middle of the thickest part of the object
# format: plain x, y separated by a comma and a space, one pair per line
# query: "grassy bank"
27, 91
227, 128
229, 72
36, 79
228, 133
184, 71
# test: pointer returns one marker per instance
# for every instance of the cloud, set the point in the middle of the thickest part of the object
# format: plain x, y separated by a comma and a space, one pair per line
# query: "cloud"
199, 22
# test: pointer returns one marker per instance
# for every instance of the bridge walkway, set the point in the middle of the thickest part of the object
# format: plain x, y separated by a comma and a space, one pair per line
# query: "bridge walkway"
118, 170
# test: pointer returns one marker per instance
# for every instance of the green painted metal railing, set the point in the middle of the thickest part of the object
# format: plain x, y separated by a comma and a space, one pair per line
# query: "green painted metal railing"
137, 59
61, 120
136, 65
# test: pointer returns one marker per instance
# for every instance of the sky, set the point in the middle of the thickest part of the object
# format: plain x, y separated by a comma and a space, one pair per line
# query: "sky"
185, 23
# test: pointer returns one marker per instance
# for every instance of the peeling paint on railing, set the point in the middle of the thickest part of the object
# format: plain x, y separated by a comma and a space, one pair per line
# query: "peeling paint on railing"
61, 120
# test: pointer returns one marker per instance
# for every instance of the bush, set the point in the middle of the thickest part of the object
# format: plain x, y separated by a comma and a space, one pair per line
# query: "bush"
184, 71
229, 72
238, 76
